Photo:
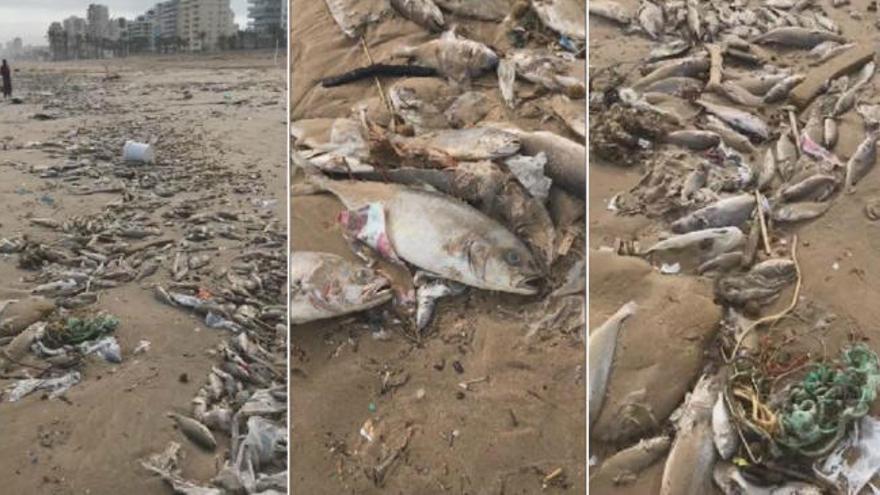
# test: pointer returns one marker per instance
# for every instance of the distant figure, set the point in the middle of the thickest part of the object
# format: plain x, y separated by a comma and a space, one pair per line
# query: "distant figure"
7, 79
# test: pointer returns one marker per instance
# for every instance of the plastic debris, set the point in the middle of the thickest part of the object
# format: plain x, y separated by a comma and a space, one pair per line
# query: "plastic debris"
106, 347
529, 171
856, 460
55, 386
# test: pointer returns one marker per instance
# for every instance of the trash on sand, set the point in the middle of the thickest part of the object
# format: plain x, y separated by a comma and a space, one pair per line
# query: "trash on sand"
855, 460
106, 347
142, 347
137, 152
214, 320
75, 331
55, 386
529, 171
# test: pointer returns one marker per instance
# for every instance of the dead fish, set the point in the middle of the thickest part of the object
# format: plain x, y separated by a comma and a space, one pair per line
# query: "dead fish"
728, 212
651, 19
325, 285
724, 435
195, 431
797, 212
694, 139
862, 160
823, 48
833, 52
610, 10
693, 19
760, 84
710, 242
428, 293
729, 135
671, 49
683, 87
688, 469
456, 242
352, 16
797, 37
722, 263
739, 95
470, 144
738, 119
732, 482
456, 58
566, 17
507, 81
768, 170
565, 158
685, 67
425, 13
602, 344
631, 461
781, 89
485, 10
817, 187
547, 70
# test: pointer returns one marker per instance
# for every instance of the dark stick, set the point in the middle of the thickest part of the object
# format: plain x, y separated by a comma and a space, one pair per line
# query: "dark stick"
378, 70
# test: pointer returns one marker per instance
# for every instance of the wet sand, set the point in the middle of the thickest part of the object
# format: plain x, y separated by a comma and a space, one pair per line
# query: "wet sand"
503, 435
92, 441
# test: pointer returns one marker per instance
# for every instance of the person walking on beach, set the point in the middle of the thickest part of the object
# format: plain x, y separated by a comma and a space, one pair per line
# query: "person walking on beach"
7, 79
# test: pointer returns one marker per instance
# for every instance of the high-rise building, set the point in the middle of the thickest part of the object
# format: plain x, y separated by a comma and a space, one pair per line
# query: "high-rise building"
265, 16
166, 19
74, 26
98, 17
201, 23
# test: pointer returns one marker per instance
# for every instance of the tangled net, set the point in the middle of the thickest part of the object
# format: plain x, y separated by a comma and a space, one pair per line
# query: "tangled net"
78, 330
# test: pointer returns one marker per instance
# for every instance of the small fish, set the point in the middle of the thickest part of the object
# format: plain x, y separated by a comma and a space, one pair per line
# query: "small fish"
631, 461
457, 58
547, 70
688, 469
797, 37
823, 48
760, 84
768, 170
352, 16
729, 135
610, 10
602, 344
722, 263
683, 87
862, 161
694, 139
325, 285
815, 150
781, 89
728, 212
739, 95
506, 81
710, 242
724, 435
651, 19
485, 10
425, 13
797, 212
671, 49
684, 67
732, 482
817, 187
738, 119
693, 20
195, 431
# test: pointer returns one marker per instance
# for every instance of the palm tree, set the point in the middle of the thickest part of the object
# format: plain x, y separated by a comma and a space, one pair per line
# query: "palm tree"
56, 36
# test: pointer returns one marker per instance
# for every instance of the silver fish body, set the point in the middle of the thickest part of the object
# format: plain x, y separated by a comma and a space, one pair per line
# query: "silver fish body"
688, 469
738, 119
602, 344
425, 13
728, 212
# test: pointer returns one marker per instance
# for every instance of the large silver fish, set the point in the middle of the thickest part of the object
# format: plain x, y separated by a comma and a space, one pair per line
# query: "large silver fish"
797, 37
444, 236
688, 469
324, 285
743, 121
602, 343
610, 10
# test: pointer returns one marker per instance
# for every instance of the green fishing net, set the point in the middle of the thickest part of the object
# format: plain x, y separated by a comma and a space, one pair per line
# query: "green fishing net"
818, 410
78, 330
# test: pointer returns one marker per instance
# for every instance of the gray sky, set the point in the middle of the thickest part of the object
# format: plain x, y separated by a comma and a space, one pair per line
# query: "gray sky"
30, 19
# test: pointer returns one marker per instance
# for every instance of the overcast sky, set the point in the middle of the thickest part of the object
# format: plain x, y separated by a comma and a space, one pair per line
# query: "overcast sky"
30, 19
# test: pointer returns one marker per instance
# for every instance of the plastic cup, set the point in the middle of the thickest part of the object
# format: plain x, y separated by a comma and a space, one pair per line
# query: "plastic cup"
137, 152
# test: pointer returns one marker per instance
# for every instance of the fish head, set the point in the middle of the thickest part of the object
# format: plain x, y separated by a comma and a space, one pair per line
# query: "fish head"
363, 287
480, 58
511, 267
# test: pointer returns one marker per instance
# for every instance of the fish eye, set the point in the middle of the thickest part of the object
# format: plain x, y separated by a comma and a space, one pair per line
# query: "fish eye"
512, 257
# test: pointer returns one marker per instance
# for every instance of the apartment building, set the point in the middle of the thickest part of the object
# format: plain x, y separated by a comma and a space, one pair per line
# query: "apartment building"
267, 15
98, 17
166, 19
201, 23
